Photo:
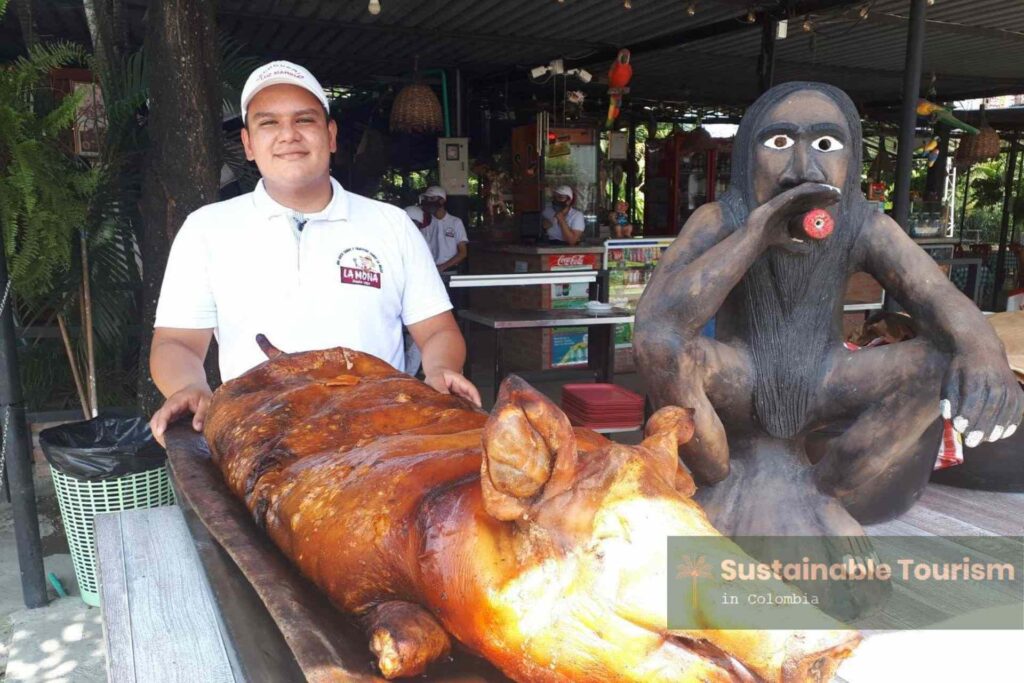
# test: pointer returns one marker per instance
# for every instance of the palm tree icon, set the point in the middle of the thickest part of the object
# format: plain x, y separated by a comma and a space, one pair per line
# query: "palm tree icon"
693, 570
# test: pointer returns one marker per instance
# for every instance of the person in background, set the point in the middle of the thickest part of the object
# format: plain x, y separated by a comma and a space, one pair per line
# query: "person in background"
619, 221
564, 224
427, 227
450, 240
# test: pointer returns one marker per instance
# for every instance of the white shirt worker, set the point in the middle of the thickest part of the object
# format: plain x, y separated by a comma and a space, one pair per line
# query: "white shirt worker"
446, 234
353, 275
573, 217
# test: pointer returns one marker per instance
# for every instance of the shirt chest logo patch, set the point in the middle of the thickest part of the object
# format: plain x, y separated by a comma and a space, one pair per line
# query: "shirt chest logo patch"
449, 232
358, 266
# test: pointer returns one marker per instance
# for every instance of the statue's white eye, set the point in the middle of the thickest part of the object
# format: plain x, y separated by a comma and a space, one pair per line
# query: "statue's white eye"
779, 142
827, 143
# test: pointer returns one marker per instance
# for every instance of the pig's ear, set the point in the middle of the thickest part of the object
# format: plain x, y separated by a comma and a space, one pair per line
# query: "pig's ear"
529, 449
667, 429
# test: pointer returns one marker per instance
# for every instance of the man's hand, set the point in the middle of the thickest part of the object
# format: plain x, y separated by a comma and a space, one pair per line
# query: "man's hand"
451, 382
194, 398
982, 397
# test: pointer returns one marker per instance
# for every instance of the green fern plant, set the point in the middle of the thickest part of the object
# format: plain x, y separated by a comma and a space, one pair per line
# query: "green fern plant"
44, 191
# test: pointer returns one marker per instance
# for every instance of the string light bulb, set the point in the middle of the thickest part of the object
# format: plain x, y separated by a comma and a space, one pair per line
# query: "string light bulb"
807, 26
374, 7
751, 17
864, 11
691, 9
628, 4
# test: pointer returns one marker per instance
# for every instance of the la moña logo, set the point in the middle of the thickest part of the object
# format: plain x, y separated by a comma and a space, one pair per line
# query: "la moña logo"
358, 266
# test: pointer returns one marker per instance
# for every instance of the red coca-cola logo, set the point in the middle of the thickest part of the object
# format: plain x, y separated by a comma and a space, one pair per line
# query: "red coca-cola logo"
571, 260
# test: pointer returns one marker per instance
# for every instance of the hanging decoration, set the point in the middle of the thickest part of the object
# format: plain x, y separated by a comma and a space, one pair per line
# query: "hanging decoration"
619, 75
977, 148
938, 113
929, 150
416, 108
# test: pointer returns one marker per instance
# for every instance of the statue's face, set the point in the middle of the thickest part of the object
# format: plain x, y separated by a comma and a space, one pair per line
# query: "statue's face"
803, 138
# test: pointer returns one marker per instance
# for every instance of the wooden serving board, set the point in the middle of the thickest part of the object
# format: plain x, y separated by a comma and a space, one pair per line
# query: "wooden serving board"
325, 644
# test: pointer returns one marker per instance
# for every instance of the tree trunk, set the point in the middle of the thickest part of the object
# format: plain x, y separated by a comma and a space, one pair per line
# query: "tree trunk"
109, 41
183, 165
23, 8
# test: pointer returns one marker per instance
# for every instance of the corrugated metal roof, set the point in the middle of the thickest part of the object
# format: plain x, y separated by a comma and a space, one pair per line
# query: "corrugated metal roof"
973, 46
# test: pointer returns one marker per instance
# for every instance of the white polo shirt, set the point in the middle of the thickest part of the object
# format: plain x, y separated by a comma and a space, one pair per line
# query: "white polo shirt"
573, 217
352, 277
446, 234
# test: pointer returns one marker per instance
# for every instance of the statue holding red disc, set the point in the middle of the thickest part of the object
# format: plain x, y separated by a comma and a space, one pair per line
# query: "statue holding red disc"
770, 262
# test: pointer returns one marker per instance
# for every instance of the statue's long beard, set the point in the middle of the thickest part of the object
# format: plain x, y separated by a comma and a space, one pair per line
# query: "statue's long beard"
789, 303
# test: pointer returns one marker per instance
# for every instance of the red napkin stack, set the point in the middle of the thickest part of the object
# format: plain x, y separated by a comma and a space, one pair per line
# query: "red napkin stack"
602, 406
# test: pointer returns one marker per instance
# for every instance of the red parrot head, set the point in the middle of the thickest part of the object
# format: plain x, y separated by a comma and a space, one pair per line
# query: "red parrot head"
621, 71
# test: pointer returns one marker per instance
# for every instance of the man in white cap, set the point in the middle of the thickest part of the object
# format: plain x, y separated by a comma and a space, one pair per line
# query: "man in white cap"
563, 222
300, 260
427, 226
450, 240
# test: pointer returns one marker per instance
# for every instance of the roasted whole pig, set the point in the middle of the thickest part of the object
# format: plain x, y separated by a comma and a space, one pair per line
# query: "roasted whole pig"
539, 547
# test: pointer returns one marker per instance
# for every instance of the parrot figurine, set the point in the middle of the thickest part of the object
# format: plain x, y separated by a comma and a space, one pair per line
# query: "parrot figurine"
618, 78
940, 113
929, 150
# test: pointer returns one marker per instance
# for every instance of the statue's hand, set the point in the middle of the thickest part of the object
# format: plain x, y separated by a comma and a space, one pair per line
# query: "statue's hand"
772, 218
982, 397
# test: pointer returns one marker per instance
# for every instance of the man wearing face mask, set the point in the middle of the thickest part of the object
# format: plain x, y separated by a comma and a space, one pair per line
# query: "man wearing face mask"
564, 224
448, 240
427, 226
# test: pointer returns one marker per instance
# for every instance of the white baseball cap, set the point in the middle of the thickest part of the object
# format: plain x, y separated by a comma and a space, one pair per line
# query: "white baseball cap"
434, 191
280, 72
563, 190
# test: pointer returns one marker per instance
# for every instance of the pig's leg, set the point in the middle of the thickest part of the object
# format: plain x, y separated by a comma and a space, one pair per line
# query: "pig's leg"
892, 393
714, 378
664, 432
405, 638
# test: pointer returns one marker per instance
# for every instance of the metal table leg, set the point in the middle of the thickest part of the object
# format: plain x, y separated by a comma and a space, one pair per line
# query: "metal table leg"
499, 366
601, 352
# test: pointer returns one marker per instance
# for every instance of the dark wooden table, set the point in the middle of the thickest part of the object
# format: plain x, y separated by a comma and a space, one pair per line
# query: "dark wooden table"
600, 333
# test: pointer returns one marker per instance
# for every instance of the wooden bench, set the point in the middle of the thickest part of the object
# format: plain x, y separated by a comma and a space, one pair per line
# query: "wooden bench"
160, 621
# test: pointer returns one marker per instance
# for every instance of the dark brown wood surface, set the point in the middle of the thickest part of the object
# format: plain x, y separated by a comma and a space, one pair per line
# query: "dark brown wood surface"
326, 645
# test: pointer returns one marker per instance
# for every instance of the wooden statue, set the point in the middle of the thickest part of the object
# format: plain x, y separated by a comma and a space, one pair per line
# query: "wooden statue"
777, 369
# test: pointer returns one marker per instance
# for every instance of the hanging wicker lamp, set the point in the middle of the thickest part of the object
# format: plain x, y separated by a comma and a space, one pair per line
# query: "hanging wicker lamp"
976, 148
416, 110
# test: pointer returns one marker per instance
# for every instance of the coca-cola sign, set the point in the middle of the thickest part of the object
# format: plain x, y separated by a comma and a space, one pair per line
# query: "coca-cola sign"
562, 261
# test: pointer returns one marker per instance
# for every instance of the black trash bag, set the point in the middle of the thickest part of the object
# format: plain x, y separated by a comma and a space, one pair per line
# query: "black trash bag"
102, 448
